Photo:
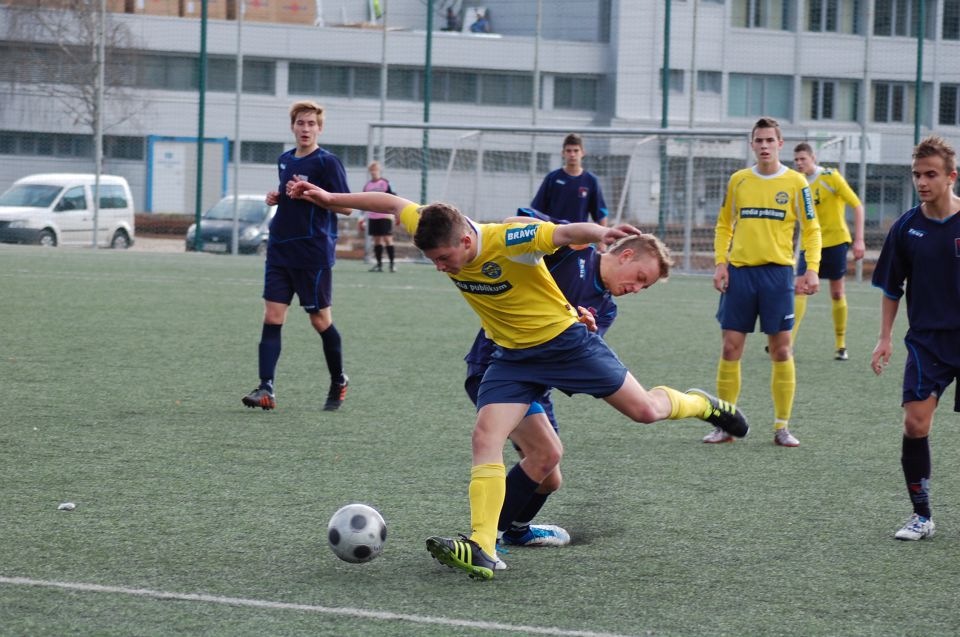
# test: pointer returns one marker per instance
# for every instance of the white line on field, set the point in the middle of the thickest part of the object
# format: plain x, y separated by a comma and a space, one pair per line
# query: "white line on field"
310, 608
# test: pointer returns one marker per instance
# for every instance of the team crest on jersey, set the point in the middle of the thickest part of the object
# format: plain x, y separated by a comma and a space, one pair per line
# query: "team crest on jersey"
782, 197
283, 166
583, 192
491, 270
521, 235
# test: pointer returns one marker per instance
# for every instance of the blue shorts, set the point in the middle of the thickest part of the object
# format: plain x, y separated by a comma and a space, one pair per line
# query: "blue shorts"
314, 288
833, 262
758, 290
576, 361
933, 362
543, 405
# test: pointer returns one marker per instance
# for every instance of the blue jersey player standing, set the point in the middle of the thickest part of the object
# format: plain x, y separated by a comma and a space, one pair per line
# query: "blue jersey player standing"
922, 250
300, 256
571, 193
589, 280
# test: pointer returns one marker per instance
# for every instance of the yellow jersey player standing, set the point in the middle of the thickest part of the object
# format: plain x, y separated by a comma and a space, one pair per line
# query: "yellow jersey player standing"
753, 245
540, 343
831, 195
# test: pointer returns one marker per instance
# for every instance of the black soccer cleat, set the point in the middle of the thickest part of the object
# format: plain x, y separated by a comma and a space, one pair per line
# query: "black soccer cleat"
338, 391
464, 554
723, 415
260, 397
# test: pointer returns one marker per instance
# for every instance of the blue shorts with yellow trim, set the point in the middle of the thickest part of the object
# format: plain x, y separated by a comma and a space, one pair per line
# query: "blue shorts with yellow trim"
833, 262
764, 291
933, 362
314, 288
576, 361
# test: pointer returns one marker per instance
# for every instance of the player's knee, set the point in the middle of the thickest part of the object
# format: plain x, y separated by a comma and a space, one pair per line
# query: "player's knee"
915, 426
552, 482
732, 351
320, 323
781, 352
645, 412
836, 295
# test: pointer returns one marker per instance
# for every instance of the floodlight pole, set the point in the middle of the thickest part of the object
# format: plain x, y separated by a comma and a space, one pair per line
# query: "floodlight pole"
664, 117
98, 120
241, 7
427, 96
918, 83
198, 201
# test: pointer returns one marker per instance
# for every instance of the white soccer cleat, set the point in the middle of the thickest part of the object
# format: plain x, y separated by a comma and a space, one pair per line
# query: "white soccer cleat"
916, 528
717, 436
784, 438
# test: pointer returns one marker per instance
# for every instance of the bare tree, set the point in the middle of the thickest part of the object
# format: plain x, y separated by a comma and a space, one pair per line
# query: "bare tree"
51, 51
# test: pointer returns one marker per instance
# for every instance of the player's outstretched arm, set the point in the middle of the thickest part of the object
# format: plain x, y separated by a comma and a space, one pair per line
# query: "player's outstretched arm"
379, 201
579, 233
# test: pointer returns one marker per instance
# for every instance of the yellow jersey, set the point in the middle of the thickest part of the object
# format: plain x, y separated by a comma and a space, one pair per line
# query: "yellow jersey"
831, 195
507, 284
757, 219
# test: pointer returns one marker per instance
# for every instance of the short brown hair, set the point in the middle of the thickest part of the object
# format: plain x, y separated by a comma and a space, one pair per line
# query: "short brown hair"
766, 122
643, 245
936, 146
441, 226
573, 139
299, 107
804, 147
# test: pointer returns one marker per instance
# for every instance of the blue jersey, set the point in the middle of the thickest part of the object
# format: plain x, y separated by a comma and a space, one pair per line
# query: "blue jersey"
302, 234
573, 199
925, 253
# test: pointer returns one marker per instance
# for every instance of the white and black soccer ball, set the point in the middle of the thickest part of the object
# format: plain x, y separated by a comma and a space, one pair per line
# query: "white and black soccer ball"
357, 533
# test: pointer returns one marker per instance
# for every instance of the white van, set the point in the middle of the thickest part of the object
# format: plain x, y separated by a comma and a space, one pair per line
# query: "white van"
57, 209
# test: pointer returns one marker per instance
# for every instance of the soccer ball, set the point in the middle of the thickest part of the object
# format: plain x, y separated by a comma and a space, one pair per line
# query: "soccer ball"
356, 533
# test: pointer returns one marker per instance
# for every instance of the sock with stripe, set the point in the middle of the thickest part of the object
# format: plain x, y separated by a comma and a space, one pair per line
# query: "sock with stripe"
915, 460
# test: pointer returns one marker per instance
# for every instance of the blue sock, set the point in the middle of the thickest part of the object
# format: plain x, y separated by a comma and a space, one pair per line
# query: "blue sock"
269, 354
519, 489
915, 460
333, 352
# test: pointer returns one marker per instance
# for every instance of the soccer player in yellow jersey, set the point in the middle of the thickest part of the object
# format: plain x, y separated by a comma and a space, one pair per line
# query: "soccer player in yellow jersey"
831, 194
753, 245
498, 267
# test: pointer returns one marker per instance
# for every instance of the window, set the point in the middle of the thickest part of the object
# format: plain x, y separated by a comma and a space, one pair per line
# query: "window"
835, 100
894, 102
834, 16
73, 199
260, 152
951, 19
354, 156
709, 81
454, 86
335, 80
258, 76
759, 95
762, 14
43, 144
403, 84
676, 80
112, 196
503, 89
118, 147
949, 105
575, 93
902, 17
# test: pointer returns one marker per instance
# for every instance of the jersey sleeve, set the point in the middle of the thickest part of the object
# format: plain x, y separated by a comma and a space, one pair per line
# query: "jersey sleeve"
534, 239
723, 232
599, 209
890, 271
844, 191
410, 217
333, 177
811, 238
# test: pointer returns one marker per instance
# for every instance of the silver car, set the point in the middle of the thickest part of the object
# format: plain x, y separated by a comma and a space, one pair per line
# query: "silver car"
216, 226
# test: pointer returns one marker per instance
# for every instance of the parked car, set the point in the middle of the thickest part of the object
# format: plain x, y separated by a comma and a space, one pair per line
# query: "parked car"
216, 226
57, 209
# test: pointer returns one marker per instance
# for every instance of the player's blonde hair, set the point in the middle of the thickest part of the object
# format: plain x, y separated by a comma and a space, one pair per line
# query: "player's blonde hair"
441, 226
306, 106
644, 245
936, 146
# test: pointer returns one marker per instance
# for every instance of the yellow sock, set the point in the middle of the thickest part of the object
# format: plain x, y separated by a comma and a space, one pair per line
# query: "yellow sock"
684, 405
488, 485
728, 381
799, 309
783, 385
840, 321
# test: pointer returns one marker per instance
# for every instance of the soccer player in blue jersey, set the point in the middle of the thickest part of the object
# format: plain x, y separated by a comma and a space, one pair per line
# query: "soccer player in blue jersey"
753, 246
300, 256
540, 342
589, 280
922, 253
831, 195
571, 193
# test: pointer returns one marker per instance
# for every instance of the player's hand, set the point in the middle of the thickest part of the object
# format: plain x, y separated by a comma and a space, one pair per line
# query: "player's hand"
587, 318
721, 278
273, 198
611, 235
810, 282
859, 249
881, 355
